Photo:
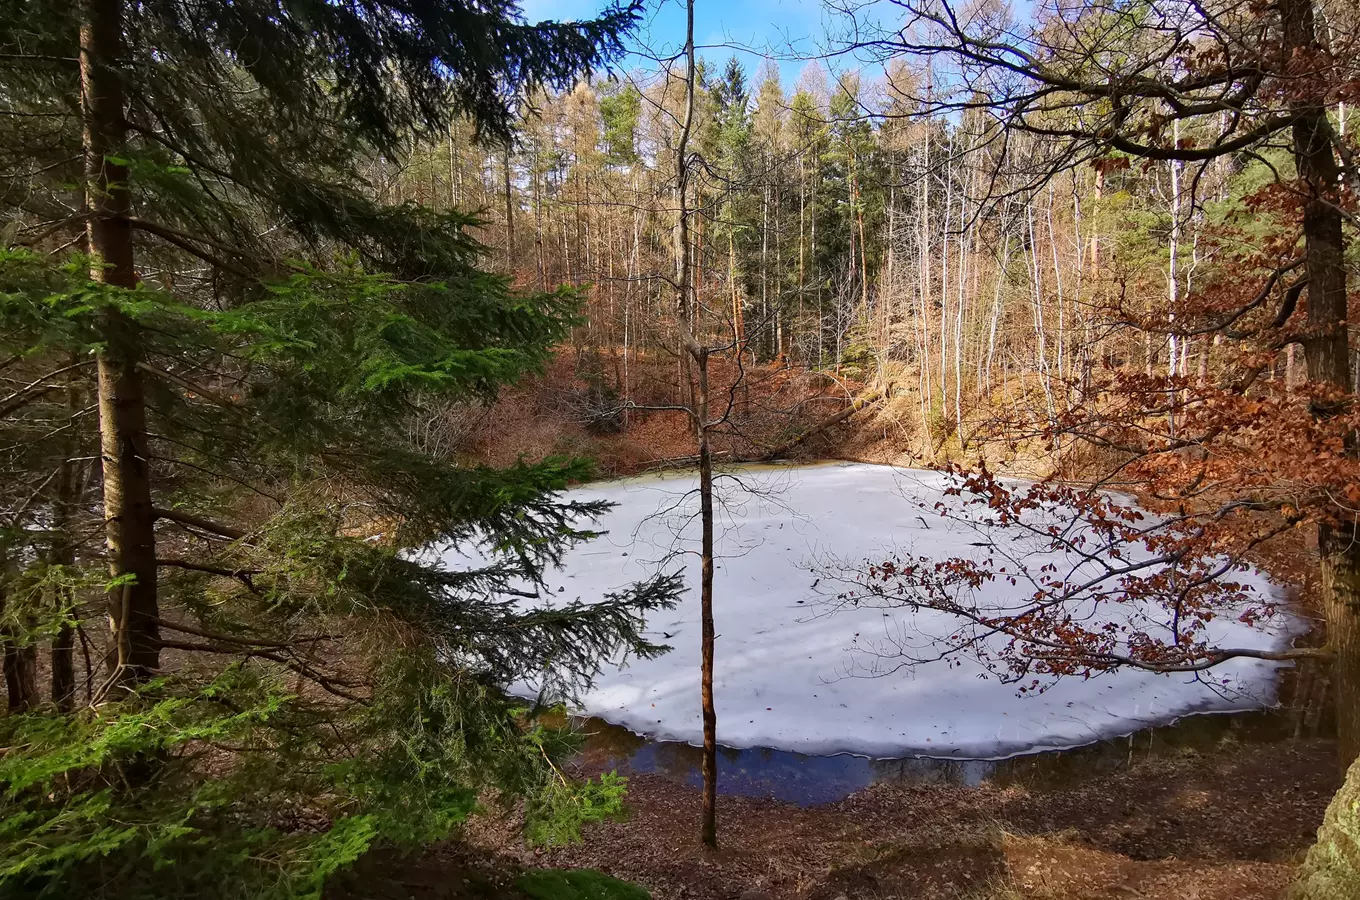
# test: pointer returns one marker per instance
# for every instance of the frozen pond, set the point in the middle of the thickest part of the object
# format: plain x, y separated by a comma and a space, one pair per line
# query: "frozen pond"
795, 671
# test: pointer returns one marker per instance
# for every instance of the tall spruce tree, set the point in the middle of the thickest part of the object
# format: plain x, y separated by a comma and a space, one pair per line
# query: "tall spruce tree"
216, 343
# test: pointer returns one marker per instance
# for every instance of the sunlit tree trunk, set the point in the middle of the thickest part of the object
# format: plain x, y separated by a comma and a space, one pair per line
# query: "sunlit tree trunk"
802, 231
699, 413
966, 234
923, 272
128, 514
509, 212
1060, 356
887, 290
996, 313
944, 285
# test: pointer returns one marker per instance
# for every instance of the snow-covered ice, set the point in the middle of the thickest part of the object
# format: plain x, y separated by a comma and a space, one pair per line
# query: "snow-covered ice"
795, 673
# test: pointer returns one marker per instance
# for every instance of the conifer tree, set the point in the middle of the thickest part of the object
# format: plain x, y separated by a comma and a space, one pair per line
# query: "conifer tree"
217, 340
621, 111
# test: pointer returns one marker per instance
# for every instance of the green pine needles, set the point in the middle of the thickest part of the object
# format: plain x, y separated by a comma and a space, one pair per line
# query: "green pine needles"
235, 659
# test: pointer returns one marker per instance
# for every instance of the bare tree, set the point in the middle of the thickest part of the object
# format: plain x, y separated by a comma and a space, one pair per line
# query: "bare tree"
699, 416
1089, 79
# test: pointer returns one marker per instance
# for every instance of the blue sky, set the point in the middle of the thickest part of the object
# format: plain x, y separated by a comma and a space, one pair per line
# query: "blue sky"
783, 28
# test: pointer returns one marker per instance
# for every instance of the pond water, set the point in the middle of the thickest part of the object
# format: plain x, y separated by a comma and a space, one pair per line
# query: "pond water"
809, 780
800, 669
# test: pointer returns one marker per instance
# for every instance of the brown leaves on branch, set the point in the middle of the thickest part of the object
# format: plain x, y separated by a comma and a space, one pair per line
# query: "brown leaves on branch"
1075, 581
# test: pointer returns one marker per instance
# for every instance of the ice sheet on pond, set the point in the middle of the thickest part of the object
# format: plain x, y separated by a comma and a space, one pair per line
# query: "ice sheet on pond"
796, 670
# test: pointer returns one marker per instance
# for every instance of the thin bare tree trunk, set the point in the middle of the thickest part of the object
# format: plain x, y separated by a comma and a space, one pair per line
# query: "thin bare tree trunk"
765, 263
888, 289
699, 412
960, 312
802, 231
1093, 254
996, 312
536, 185
863, 243
1172, 276
1040, 330
509, 215
944, 287
738, 315
70, 485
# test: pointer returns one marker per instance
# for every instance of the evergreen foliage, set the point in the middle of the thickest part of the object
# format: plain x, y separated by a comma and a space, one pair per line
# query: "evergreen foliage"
201, 300
620, 112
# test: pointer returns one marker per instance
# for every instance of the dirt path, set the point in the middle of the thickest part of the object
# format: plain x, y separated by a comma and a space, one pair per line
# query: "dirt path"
1220, 825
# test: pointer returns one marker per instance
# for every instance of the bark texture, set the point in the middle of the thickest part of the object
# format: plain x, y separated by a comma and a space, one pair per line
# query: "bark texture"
1326, 347
1340, 583
21, 676
128, 512
18, 659
70, 485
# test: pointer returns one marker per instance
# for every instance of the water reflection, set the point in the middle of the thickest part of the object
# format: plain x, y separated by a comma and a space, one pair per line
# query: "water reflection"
810, 780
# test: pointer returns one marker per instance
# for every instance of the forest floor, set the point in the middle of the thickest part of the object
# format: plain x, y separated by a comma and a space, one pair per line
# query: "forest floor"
1224, 825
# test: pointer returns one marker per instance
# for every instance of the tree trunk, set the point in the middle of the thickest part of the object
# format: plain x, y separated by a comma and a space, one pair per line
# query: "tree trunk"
1093, 255
691, 349
128, 516
64, 668
21, 676
69, 488
1340, 583
509, 216
765, 269
1327, 353
738, 310
20, 661
709, 828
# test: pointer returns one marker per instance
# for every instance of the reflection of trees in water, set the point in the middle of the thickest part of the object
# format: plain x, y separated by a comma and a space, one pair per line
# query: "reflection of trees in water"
967, 772
762, 772
810, 780
605, 743
1203, 733
677, 760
